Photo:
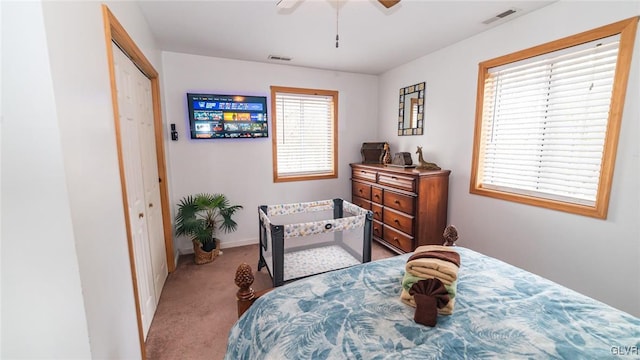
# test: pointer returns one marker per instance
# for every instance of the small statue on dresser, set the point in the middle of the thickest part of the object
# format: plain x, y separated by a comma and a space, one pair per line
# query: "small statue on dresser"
386, 159
423, 164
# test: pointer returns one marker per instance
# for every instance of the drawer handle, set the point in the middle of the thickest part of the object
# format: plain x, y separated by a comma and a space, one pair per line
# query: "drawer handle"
377, 213
360, 191
396, 221
376, 196
397, 202
396, 240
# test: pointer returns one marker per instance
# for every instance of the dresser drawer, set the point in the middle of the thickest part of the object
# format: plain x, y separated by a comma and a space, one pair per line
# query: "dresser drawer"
398, 220
364, 174
377, 229
361, 190
400, 202
409, 206
397, 181
363, 203
398, 239
376, 194
377, 211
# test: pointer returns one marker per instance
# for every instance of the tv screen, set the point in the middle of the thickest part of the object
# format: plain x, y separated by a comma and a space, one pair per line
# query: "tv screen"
213, 116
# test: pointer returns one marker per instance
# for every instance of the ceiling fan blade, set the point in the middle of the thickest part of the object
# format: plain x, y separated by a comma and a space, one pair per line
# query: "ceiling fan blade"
388, 3
286, 4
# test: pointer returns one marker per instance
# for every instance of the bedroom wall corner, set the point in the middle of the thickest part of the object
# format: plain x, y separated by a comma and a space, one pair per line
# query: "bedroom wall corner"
43, 314
77, 48
242, 168
569, 249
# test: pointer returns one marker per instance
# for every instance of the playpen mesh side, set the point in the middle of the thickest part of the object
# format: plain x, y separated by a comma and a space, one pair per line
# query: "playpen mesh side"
314, 242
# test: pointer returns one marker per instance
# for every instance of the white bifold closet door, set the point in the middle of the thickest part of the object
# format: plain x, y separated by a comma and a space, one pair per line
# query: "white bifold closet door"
142, 182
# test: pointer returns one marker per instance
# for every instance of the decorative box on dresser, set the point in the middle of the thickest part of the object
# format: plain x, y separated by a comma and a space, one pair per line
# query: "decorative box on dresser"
409, 205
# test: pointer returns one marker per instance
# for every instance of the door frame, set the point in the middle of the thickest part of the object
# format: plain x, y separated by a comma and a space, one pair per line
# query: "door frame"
115, 32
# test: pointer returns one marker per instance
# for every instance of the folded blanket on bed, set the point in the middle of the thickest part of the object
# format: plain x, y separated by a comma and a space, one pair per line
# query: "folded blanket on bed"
408, 280
432, 262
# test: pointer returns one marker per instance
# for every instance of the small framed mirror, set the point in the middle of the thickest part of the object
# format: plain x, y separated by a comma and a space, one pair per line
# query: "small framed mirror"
411, 110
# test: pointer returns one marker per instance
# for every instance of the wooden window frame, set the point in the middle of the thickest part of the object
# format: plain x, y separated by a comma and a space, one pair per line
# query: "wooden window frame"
627, 31
274, 126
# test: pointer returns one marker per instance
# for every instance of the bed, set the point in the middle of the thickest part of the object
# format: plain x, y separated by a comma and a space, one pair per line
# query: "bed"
500, 312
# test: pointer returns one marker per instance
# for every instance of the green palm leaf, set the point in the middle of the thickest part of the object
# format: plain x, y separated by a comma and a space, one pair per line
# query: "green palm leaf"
200, 216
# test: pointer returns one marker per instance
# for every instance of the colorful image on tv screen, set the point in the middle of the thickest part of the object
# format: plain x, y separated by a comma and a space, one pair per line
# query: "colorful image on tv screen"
227, 116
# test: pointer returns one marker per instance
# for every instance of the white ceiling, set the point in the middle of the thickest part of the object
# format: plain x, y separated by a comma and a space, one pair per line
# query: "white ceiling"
373, 39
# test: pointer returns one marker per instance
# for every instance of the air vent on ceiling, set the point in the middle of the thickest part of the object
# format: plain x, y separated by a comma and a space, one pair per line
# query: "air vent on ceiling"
281, 58
500, 16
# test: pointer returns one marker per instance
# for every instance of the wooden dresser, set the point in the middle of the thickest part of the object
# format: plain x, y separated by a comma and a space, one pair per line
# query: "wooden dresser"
409, 206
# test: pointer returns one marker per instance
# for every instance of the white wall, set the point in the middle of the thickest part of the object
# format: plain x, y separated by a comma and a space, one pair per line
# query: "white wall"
242, 168
62, 201
43, 315
600, 258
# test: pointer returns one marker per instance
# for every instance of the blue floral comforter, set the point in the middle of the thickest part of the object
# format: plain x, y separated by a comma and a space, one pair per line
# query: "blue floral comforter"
501, 312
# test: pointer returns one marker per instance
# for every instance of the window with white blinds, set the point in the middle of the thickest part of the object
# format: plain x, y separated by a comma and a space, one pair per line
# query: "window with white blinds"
545, 122
304, 133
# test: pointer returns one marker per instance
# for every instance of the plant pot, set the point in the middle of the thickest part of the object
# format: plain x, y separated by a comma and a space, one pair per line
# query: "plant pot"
203, 257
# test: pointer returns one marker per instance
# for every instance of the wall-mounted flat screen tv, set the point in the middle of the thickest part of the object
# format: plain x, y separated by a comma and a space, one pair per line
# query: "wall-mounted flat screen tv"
214, 116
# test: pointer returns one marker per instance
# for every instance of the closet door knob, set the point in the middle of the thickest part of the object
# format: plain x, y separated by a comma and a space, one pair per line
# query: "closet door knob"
150, 205
140, 215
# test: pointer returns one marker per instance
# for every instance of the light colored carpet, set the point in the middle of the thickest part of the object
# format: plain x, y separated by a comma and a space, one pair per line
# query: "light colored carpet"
198, 306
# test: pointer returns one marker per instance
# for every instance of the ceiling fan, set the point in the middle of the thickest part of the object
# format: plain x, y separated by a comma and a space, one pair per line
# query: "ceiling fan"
388, 3
290, 4
287, 4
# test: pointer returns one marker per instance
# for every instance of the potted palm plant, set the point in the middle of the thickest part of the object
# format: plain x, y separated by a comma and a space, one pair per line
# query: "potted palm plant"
200, 216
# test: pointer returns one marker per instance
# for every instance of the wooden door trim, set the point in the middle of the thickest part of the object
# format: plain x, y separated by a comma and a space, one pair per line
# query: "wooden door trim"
115, 32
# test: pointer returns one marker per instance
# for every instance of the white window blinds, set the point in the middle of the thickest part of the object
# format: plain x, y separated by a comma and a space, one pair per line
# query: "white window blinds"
545, 120
304, 134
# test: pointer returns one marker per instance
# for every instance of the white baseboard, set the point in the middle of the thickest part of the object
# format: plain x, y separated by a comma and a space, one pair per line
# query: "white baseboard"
223, 245
185, 251
176, 256
232, 244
